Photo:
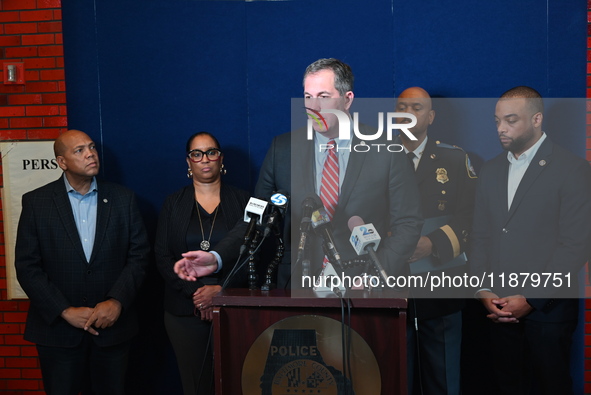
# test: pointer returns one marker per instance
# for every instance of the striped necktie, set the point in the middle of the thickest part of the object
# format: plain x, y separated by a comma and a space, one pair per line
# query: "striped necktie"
329, 188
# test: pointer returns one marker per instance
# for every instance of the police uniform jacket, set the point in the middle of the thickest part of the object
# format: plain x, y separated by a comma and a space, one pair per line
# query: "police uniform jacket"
447, 185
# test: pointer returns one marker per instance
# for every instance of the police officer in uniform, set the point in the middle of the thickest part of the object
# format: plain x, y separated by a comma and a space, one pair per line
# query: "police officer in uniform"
446, 183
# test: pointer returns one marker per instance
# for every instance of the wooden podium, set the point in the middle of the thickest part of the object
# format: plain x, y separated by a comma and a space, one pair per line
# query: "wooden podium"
242, 317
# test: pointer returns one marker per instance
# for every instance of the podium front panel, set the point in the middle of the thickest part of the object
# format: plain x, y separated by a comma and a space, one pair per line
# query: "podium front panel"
270, 343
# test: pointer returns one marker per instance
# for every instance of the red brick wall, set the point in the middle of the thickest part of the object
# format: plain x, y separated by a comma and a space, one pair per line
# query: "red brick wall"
30, 32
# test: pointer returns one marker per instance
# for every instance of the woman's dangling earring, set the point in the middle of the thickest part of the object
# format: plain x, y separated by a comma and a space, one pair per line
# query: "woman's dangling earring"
223, 170
189, 173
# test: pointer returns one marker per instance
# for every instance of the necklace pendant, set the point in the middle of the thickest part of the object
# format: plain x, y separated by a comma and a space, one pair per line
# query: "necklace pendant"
205, 245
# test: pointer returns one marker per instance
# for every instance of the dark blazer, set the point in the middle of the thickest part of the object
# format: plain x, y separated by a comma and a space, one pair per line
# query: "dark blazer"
546, 230
274, 176
52, 268
449, 194
378, 186
171, 241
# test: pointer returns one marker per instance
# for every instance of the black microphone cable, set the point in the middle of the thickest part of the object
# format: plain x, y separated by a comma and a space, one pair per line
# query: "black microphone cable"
343, 339
345, 342
224, 285
417, 347
349, 343
238, 266
235, 269
205, 358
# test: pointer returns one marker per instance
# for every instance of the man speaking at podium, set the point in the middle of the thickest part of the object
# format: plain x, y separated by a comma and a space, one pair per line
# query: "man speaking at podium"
376, 185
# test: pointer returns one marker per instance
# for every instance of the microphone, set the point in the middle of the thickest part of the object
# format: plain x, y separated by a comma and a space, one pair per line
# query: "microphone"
365, 239
253, 214
279, 202
321, 224
309, 204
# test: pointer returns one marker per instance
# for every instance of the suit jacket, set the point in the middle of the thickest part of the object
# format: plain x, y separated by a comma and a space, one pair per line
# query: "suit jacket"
171, 241
447, 185
378, 186
275, 175
52, 268
547, 229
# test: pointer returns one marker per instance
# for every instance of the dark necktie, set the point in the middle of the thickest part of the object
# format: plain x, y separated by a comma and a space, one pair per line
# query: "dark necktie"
411, 156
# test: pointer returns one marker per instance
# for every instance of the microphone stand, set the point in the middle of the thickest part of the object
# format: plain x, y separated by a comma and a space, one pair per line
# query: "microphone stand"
302, 256
252, 273
279, 250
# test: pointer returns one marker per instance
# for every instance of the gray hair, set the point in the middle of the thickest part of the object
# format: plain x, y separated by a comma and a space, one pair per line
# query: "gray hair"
343, 76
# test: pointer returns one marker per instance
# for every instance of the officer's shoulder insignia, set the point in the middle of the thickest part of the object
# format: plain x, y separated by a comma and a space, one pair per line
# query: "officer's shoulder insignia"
470, 168
449, 146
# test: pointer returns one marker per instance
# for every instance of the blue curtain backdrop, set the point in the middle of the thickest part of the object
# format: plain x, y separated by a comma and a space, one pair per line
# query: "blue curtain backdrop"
142, 76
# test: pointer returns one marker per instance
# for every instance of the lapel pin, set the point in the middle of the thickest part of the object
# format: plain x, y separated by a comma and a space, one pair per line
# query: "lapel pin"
542, 162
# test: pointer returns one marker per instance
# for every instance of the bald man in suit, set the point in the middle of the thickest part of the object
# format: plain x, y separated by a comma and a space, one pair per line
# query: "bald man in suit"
446, 182
81, 254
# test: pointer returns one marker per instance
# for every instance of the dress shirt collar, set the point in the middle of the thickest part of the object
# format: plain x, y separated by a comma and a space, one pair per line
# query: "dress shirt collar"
528, 155
70, 188
322, 141
420, 149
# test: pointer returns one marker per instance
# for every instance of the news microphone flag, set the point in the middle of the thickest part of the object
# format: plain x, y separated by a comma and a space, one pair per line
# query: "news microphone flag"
255, 207
363, 236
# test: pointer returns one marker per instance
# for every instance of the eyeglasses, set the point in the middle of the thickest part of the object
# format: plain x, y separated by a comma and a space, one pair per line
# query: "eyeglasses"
196, 155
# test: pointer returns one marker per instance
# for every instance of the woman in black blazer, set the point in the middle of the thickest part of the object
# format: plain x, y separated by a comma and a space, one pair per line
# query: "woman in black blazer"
195, 217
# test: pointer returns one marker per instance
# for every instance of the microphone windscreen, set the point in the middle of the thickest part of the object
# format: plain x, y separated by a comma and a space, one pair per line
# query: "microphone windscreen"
355, 221
313, 202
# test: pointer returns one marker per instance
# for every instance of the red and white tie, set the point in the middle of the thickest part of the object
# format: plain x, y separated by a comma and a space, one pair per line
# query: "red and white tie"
329, 188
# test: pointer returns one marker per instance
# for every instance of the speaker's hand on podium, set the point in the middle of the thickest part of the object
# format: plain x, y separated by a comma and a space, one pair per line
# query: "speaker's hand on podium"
195, 264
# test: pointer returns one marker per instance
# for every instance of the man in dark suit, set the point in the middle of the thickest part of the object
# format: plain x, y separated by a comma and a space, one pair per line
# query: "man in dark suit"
446, 183
81, 253
377, 186
532, 216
